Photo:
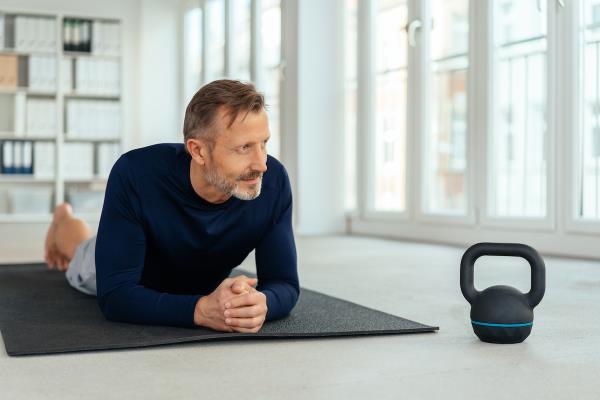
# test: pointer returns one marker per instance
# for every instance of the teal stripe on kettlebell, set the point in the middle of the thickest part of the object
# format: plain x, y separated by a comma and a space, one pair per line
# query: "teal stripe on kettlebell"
501, 325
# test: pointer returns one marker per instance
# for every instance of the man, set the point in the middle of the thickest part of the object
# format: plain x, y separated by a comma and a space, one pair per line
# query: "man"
177, 218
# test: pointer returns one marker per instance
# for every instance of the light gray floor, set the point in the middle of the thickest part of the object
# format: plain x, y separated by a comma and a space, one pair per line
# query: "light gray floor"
561, 358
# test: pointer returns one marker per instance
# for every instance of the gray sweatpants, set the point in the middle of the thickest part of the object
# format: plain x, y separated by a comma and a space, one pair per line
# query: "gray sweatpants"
81, 273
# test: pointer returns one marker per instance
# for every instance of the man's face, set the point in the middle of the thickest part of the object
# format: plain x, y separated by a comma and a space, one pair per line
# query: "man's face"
239, 156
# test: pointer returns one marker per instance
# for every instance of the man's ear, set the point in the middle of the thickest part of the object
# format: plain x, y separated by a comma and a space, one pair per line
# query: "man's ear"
198, 149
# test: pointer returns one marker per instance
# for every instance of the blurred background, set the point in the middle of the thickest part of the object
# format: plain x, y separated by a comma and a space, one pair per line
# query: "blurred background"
445, 121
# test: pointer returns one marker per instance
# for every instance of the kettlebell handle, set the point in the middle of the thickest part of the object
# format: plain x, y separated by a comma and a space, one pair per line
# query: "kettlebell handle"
538, 270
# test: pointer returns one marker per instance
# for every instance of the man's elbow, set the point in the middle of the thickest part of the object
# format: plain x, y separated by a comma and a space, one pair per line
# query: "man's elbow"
285, 302
109, 307
295, 294
292, 296
105, 308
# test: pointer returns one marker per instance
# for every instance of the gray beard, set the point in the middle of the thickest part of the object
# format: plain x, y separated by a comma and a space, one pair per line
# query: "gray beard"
222, 184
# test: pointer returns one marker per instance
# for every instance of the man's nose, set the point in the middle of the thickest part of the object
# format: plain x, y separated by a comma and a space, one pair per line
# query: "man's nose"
260, 161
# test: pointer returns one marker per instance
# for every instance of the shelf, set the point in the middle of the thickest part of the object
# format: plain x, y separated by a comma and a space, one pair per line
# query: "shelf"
38, 14
14, 52
28, 92
92, 96
24, 178
32, 218
94, 179
13, 136
75, 54
94, 18
105, 143
92, 140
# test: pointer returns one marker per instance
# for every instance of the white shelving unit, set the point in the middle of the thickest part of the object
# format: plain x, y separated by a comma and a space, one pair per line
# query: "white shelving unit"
87, 95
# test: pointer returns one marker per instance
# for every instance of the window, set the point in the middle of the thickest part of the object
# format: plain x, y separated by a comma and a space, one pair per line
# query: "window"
270, 63
220, 42
215, 40
390, 107
242, 35
445, 146
192, 52
518, 170
587, 202
502, 133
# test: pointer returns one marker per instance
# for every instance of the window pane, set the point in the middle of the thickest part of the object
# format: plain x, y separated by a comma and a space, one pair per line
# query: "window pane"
215, 42
350, 104
446, 143
271, 90
192, 55
270, 59
588, 194
271, 32
518, 173
241, 39
390, 108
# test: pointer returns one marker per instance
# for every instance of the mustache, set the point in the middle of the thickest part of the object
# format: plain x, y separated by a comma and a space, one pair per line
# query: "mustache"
251, 175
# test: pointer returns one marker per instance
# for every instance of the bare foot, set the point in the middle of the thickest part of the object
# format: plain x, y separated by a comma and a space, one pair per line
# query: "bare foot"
52, 256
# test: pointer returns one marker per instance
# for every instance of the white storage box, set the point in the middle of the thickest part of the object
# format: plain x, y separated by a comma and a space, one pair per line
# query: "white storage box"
85, 201
78, 160
31, 200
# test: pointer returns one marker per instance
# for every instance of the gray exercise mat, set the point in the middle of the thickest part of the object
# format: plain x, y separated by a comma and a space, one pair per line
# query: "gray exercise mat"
41, 314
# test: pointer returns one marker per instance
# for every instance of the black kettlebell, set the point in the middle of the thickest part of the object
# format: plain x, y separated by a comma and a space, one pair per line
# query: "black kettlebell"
502, 314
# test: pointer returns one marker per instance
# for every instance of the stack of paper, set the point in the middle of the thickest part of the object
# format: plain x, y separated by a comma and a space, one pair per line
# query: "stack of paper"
106, 38
41, 117
78, 160
95, 119
35, 33
97, 76
30, 200
43, 160
42, 73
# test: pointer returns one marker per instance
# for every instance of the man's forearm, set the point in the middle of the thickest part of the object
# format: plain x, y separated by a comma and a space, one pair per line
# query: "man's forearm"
141, 305
281, 298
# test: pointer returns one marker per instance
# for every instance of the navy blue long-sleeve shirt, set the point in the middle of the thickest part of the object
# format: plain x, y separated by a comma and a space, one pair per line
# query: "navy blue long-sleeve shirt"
160, 246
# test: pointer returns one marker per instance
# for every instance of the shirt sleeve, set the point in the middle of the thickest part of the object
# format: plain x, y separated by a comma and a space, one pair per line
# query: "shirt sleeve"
276, 260
120, 253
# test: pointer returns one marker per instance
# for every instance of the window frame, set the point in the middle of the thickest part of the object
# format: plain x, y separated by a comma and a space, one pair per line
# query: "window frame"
423, 127
571, 66
549, 223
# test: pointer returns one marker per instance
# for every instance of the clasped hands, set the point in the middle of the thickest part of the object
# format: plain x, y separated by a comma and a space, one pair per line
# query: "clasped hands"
234, 306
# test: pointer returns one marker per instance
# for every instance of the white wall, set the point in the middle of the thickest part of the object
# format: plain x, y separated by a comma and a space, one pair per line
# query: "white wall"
313, 115
159, 69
